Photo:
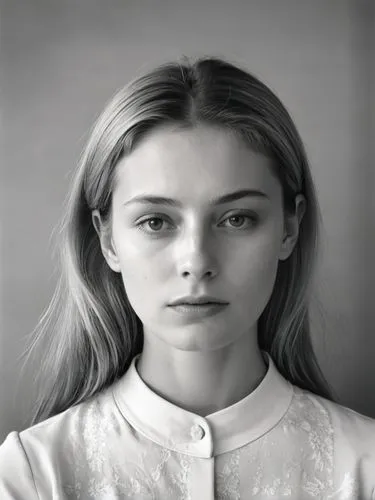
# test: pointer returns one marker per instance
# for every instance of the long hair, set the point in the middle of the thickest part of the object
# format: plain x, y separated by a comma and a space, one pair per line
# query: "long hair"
90, 333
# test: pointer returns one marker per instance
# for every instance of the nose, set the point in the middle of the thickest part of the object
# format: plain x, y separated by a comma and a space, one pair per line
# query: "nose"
197, 256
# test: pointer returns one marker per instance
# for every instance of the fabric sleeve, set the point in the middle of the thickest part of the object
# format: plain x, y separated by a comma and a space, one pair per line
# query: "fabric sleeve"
16, 477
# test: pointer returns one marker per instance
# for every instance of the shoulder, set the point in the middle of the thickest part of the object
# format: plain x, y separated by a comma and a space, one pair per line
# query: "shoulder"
336, 439
45, 449
349, 427
70, 426
16, 476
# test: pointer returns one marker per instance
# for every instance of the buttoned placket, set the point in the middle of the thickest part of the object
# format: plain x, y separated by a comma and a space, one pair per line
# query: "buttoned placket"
203, 439
202, 471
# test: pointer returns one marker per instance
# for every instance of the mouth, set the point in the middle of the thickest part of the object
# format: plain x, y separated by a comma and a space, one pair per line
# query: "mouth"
198, 301
194, 311
196, 304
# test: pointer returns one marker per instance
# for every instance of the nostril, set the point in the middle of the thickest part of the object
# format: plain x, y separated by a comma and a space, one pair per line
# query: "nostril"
186, 274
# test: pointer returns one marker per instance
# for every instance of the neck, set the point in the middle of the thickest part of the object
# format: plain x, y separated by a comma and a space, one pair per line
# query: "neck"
202, 382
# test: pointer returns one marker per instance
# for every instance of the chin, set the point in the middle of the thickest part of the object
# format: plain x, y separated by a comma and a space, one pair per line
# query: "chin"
198, 338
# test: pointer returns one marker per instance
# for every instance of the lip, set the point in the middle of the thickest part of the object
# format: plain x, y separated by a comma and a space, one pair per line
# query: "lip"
197, 300
198, 311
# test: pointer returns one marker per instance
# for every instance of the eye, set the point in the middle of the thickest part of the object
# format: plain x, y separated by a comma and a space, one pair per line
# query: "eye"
158, 223
154, 224
241, 220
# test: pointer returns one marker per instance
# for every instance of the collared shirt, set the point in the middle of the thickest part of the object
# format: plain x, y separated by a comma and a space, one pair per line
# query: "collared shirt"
128, 442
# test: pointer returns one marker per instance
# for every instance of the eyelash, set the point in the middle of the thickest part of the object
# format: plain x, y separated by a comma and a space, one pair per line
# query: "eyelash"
254, 219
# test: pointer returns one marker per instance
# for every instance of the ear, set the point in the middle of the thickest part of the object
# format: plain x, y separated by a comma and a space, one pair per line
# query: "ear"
291, 228
106, 242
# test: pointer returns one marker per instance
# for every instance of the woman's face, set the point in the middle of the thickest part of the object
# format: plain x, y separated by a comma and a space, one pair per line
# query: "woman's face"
193, 244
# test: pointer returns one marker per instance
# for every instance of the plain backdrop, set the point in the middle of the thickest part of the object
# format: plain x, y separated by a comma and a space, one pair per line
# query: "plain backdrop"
62, 60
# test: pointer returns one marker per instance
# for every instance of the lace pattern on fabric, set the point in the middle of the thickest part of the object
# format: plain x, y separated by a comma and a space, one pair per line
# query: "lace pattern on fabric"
295, 459
145, 471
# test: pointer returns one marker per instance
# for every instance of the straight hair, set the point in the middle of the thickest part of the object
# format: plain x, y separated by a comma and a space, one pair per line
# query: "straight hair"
89, 333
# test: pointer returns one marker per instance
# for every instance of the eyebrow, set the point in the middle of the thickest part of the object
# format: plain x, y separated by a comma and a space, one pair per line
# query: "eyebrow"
227, 198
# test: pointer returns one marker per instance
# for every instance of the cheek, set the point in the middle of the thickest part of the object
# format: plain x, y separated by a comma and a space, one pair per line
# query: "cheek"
139, 285
142, 274
137, 274
253, 272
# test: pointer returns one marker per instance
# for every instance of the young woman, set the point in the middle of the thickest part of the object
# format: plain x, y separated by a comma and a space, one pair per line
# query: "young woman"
178, 361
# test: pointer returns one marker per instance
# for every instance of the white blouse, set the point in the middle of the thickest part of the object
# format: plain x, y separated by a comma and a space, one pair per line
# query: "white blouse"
128, 442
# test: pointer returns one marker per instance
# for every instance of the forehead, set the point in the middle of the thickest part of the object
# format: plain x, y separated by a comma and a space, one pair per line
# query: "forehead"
195, 163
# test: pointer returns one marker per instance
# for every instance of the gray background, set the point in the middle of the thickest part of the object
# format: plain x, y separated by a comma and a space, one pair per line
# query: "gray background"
62, 60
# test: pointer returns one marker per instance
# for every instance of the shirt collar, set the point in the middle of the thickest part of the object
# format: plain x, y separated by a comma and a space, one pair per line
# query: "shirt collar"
180, 430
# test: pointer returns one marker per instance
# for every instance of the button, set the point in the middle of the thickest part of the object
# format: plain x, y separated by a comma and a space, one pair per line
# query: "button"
197, 432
